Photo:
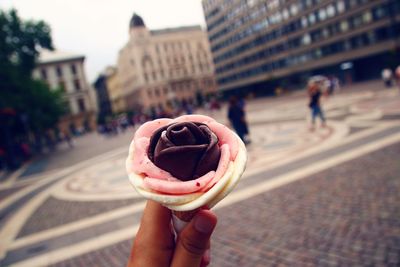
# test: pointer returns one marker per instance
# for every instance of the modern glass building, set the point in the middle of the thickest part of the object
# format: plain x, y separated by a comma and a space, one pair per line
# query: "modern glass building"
258, 45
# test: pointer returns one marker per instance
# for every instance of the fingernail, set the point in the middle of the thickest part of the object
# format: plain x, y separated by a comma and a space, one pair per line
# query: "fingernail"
205, 260
203, 224
207, 256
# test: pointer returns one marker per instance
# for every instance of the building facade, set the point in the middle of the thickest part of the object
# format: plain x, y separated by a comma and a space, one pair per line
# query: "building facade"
114, 88
255, 43
103, 98
66, 71
159, 68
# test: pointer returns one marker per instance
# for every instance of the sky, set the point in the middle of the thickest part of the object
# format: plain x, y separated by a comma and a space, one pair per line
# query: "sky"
98, 29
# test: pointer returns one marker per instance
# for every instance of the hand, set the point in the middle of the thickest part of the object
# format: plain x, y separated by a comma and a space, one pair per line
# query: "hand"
154, 244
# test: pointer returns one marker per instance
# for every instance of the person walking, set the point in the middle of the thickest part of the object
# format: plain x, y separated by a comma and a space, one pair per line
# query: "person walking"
397, 74
387, 77
237, 118
314, 93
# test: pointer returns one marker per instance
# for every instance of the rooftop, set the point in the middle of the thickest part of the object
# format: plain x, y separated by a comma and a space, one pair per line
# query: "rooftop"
173, 30
136, 21
47, 56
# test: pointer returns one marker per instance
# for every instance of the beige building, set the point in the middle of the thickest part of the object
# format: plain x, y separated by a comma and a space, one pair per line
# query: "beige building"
117, 100
157, 68
66, 71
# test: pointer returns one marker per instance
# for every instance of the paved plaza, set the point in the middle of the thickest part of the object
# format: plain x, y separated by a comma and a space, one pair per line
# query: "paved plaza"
327, 197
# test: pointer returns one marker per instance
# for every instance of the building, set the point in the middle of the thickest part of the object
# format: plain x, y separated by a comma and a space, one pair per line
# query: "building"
259, 44
159, 68
103, 98
114, 88
66, 71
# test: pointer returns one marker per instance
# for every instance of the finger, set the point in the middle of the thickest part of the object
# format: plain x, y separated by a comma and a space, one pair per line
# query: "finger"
206, 259
154, 242
194, 240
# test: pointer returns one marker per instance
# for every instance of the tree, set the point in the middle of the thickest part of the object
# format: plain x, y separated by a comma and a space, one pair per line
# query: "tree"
25, 104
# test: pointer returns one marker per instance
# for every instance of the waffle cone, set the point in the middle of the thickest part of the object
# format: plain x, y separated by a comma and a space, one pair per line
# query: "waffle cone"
185, 216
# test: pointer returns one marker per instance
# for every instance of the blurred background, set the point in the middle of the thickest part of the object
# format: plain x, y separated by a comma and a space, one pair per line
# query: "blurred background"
311, 86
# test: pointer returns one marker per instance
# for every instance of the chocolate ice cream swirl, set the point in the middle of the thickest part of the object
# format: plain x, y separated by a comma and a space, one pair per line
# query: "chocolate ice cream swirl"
187, 150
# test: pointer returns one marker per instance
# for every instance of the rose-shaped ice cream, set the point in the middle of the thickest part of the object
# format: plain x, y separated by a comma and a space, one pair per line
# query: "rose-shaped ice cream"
185, 163
187, 150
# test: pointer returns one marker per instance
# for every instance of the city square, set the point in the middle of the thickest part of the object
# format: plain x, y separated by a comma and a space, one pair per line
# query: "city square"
327, 197
193, 133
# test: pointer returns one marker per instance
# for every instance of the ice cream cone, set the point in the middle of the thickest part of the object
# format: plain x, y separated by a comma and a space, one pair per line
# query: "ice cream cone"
193, 195
181, 218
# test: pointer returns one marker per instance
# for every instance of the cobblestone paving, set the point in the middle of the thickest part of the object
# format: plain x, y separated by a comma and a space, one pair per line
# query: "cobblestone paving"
115, 255
338, 217
10, 191
345, 216
55, 212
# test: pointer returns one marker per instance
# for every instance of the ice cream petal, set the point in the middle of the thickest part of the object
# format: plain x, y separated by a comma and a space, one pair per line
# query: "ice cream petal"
148, 128
178, 187
222, 166
142, 164
137, 182
205, 197
225, 136
239, 167
194, 118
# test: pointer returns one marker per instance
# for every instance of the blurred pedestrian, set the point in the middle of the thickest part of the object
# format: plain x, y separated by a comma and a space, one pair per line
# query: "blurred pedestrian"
237, 117
2, 158
68, 139
397, 74
387, 76
331, 85
314, 92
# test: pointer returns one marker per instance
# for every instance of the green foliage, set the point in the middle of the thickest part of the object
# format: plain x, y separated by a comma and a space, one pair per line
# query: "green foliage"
20, 42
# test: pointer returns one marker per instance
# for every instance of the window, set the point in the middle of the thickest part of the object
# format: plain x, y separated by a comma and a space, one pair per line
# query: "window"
43, 73
325, 33
306, 39
344, 26
330, 11
81, 105
371, 37
73, 69
357, 21
285, 14
379, 12
367, 17
59, 71
61, 85
304, 22
340, 6
77, 84
311, 18
294, 9
322, 14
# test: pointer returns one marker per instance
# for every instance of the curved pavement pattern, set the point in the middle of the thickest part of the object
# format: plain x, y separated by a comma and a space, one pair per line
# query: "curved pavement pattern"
327, 197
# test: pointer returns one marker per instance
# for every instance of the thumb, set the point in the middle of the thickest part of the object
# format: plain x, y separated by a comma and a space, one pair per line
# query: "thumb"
194, 240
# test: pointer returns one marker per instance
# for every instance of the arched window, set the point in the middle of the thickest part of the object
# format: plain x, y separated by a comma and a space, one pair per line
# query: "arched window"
147, 62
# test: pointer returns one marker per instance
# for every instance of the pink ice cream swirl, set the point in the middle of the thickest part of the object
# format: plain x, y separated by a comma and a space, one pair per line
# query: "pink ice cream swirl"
159, 181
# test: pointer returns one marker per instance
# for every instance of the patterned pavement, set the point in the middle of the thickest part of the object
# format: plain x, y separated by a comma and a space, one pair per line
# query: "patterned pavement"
327, 197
